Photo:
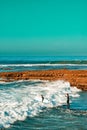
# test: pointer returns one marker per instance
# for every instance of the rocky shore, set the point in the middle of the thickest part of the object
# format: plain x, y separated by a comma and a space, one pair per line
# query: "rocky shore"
76, 78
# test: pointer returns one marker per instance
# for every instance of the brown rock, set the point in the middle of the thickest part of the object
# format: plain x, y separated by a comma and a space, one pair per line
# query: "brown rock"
76, 78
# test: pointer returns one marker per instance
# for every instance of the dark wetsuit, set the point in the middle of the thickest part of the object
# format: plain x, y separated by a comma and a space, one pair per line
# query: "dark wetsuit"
68, 105
42, 97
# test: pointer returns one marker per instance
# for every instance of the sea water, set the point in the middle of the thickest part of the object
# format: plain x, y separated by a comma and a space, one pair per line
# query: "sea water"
21, 106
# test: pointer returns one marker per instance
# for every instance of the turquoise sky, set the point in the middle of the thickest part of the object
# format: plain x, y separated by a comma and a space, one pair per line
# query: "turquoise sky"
43, 27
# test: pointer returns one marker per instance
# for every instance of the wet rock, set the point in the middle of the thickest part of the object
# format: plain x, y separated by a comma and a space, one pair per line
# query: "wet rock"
76, 78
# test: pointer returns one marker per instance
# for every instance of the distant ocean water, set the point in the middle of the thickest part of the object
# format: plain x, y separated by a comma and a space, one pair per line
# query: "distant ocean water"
21, 106
14, 63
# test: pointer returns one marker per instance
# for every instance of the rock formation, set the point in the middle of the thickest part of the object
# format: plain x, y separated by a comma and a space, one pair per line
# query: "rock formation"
76, 78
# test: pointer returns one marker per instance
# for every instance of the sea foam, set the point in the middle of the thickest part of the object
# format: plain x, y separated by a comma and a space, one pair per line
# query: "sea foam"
45, 64
17, 103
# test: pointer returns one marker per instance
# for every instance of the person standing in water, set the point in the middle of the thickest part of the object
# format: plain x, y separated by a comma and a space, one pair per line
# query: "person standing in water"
42, 98
68, 104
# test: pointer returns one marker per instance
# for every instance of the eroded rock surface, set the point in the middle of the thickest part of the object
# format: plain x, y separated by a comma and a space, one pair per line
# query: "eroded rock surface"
76, 78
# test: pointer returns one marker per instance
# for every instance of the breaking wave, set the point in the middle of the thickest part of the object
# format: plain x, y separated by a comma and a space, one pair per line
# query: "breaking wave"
47, 64
21, 99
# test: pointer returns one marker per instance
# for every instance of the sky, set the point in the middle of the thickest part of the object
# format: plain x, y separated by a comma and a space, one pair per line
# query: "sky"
43, 27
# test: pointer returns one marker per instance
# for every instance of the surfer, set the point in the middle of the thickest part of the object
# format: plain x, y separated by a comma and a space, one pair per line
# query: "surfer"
68, 104
42, 98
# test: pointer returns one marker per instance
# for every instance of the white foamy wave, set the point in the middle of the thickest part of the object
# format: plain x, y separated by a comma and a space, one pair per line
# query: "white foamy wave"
2, 82
46, 64
19, 103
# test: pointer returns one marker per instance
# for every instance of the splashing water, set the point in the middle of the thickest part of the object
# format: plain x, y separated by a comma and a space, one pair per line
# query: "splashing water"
21, 99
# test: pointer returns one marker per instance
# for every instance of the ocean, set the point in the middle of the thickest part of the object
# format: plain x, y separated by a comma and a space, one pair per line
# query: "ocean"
21, 106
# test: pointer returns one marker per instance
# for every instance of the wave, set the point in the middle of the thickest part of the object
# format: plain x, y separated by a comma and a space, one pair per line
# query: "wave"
31, 65
23, 99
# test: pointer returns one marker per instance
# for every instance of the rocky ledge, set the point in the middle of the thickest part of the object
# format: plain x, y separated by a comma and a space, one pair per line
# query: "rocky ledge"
76, 78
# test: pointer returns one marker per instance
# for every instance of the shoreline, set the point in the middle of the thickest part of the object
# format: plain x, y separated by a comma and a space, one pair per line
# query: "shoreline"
77, 78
